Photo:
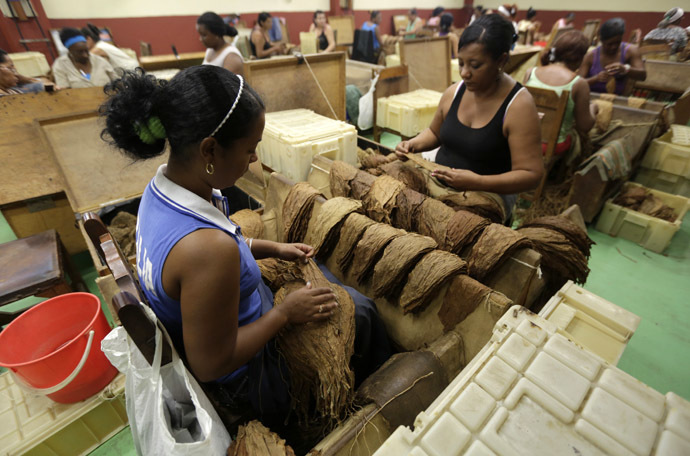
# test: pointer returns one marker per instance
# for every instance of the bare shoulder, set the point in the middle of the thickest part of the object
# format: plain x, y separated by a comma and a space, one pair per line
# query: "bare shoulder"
522, 110
206, 248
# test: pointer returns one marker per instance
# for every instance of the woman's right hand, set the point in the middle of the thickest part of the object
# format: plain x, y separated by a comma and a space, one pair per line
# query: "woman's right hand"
603, 76
308, 304
403, 148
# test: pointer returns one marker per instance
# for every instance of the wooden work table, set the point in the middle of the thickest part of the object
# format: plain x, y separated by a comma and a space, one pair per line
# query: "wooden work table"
183, 60
28, 169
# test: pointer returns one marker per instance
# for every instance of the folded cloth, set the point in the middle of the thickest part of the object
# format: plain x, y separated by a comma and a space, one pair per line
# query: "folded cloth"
614, 160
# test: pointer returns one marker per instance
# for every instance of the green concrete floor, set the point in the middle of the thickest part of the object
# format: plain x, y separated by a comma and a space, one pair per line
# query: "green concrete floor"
655, 287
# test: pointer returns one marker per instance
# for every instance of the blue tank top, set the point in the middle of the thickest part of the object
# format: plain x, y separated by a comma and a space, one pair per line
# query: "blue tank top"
168, 213
369, 27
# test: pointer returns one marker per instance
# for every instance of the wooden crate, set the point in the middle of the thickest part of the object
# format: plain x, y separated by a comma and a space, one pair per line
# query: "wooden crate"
287, 83
428, 62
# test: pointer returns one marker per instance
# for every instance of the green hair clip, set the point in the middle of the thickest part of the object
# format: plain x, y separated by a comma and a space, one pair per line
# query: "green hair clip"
150, 132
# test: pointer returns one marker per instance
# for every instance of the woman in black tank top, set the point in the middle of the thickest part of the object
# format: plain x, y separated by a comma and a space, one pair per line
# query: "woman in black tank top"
324, 32
259, 42
486, 127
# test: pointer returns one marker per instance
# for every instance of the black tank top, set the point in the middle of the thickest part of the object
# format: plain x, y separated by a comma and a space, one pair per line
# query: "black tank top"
253, 46
485, 150
323, 41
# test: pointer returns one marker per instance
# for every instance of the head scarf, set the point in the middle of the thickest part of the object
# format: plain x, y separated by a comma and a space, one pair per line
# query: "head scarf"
671, 16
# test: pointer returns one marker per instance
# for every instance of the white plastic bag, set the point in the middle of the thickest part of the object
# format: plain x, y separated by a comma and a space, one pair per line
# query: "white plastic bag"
169, 414
366, 107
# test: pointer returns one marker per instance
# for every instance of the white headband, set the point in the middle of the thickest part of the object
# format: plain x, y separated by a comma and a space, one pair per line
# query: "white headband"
232, 108
502, 9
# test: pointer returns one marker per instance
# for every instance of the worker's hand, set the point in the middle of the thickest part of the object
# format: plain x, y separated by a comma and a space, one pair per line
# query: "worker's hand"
615, 68
459, 179
403, 148
603, 76
295, 252
308, 304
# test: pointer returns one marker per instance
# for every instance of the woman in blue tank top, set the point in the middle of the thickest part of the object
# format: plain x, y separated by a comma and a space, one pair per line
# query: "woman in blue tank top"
486, 127
197, 271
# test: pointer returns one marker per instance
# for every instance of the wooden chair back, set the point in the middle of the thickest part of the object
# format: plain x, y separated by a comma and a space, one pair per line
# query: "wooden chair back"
681, 109
400, 22
392, 81
145, 49
343, 28
129, 302
658, 51
590, 30
556, 33
551, 108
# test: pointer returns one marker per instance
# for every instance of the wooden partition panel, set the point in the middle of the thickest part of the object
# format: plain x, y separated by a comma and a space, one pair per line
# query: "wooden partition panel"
428, 62
287, 83
161, 62
28, 170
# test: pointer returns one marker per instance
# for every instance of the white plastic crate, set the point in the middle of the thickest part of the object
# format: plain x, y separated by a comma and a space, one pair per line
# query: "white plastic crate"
591, 321
650, 232
30, 64
666, 182
667, 153
408, 113
392, 60
455, 71
35, 425
292, 138
531, 391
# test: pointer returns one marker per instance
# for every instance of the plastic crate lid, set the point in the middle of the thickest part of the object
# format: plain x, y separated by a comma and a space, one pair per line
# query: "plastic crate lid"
302, 125
681, 135
28, 420
531, 391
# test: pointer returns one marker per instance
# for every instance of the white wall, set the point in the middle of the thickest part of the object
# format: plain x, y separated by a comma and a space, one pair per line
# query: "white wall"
597, 5
86, 9
368, 5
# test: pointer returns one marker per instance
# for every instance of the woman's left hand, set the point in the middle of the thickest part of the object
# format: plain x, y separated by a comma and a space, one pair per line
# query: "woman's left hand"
459, 179
297, 251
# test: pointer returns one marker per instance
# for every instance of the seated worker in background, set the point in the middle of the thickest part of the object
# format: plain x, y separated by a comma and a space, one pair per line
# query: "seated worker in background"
435, 19
372, 25
566, 21
24, 84
119, 60
528, 26
259, 41
8, 82
414, 25
510, 13
212, 29
79, 68
324, 32
558, 73
478, 12
197, 271
670, 31
608, 67
445, 30
486, 125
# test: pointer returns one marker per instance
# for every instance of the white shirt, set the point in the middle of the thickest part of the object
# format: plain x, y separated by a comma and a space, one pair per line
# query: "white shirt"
67, 75
117, 57
219, 59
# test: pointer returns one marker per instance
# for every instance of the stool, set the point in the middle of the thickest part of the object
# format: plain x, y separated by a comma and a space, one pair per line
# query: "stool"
35, 266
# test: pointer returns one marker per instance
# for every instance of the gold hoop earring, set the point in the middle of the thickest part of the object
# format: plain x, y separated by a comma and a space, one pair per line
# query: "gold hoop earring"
209, 168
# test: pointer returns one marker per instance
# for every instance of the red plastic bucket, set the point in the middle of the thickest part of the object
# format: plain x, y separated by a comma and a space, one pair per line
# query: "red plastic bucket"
54, 348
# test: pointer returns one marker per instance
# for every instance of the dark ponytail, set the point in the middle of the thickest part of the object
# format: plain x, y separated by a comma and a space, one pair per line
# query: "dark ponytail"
91, 31
216, 25
188, 108
446, 22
